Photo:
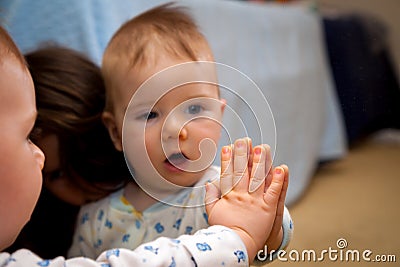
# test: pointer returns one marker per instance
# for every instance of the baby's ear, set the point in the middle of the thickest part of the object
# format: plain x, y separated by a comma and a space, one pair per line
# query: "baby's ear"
109, 122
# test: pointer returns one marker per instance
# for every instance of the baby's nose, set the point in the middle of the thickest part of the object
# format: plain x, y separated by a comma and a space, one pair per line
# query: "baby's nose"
174, 128
39, 156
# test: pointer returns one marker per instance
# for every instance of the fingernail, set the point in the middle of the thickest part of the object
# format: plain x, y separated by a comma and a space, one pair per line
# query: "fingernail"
240, 143
225, 150
278, 170
257, 150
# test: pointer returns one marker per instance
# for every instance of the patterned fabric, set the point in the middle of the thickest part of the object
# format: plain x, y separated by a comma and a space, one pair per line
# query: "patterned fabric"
114, 222
194, 250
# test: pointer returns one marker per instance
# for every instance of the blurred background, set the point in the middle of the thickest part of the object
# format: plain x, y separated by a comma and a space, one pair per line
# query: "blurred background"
355, 198
386, 11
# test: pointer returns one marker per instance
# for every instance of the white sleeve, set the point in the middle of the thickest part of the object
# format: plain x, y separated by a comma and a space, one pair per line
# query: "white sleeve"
214, 246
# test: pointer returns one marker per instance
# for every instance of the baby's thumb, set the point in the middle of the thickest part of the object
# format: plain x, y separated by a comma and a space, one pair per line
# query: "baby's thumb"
212, 195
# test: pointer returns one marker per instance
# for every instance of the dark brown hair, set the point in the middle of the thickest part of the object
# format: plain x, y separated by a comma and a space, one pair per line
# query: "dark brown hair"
70, 98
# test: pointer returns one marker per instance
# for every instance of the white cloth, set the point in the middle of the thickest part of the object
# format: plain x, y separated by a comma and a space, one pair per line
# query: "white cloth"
215, 246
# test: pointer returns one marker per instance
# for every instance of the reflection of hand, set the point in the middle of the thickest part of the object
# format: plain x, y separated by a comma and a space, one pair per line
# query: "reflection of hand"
250, 214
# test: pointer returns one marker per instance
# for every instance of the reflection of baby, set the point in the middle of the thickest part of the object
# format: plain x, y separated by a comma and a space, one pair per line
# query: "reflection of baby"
167, 131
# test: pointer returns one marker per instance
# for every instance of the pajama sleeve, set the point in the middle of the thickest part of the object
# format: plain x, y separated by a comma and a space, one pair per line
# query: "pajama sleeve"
214, 246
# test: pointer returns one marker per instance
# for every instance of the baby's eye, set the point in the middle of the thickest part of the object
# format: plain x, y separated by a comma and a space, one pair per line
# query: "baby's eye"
194, 109
148, 116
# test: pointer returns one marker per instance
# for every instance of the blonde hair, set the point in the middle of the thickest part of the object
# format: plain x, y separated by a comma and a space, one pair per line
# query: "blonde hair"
138, 42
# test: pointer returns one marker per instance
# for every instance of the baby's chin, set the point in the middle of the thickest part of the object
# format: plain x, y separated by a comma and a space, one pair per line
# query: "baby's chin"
187, 179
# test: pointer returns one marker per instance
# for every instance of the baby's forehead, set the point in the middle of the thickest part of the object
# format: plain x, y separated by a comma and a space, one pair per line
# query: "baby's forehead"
11, 69
151, 82
179, 96
9, 51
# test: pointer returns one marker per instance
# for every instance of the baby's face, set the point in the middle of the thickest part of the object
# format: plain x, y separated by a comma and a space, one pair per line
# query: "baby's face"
20, 160
172, 132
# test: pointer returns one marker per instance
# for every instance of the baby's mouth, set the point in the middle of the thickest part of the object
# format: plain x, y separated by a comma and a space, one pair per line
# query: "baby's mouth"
177, 159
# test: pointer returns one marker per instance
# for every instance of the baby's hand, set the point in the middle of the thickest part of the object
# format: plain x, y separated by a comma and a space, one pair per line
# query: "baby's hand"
250, 214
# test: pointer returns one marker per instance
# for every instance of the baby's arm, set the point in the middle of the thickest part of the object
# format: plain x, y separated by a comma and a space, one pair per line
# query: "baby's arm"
250, 215
208, 247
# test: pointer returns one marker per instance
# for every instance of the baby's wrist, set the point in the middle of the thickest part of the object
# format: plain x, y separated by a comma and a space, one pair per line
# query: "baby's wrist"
249, 243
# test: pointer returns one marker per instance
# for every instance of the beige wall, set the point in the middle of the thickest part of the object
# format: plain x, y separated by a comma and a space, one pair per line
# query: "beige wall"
386, 10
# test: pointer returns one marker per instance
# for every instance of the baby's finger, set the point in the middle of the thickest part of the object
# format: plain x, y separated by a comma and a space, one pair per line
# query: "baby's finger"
282, 198
240, 170
268, 166
281, 203
273, 193
226, 181
258, 171
249, 153
268, 159
268, 180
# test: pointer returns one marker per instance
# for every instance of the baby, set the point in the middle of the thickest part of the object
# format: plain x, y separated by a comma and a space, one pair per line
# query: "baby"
170, 123
232, 240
